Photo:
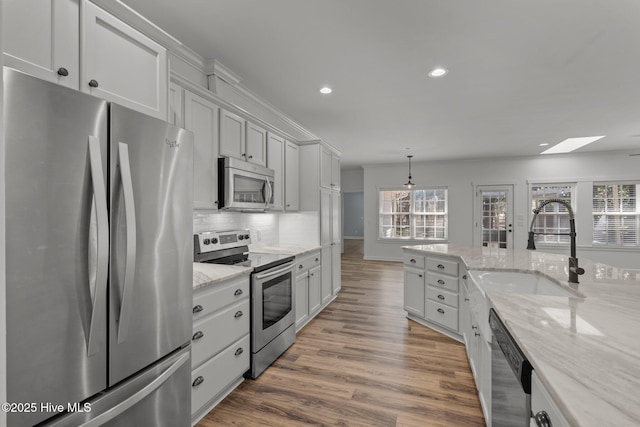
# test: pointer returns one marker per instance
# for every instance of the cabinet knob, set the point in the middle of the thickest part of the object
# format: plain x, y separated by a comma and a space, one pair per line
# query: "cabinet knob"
412, 260
317, 259
238, 292
300, 267
198, 335
542, 419
238, 314
419, 275
440, 282
63, 72
197, 381
93, 83
239, 351
197, 309
440, 296
243, 154
464, 276
288, 205
441, 311
251, 156
441, 267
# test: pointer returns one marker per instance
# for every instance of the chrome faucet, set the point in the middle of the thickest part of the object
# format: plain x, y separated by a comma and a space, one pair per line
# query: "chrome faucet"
574, 269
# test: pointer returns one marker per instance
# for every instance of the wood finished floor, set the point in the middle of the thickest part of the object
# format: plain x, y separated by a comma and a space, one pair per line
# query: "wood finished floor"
360, 362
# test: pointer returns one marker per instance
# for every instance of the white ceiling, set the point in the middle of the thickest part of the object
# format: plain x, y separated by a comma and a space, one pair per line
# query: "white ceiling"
520, 72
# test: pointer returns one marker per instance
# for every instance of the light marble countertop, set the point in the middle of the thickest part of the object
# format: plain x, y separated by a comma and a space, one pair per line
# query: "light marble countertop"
586, 350
297, 250
209, 274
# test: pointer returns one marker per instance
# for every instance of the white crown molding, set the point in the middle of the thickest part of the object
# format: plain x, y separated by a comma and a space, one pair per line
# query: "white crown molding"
216, 68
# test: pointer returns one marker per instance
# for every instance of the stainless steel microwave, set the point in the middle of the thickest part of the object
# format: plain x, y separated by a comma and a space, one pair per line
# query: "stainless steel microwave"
243, 186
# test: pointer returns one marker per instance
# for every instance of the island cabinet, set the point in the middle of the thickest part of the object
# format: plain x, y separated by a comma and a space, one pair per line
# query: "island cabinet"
308, 288
79, 45
220, 348
431, 292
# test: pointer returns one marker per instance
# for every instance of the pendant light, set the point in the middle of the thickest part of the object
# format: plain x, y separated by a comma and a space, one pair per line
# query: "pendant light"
409, 184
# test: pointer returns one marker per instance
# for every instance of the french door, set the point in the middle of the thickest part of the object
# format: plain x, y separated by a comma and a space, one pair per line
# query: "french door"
493, 216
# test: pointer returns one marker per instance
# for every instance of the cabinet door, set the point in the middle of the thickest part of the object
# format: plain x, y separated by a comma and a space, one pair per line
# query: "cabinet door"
326, 276
121, 64
176, 105
256, 144
336, 268
42, 38
201, 117
315, 291
302, 299
275, 161
414, 297
325, 216
336, 235
291, 177
232, 129
325, 167
335, 172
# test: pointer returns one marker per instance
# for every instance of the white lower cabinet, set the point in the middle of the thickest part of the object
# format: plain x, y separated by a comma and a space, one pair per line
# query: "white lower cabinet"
220, 346
542, 405
308, 282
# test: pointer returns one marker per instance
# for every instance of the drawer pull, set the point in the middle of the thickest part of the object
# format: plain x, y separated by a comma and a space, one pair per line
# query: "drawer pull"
412, 260
440, 296
198, 335
441, 267
239, 351
238, 292
441, 311
239, 313
197, 381
197, 309
440, 282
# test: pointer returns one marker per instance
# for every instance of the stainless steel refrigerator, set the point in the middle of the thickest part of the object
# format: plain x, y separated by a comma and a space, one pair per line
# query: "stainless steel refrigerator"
99, 260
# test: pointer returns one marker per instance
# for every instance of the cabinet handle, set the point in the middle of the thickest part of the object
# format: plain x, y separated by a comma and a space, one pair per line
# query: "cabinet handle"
198, 335
197, 309
63, 72
317, 259
464, 276
466, 299
440, 282
288, 205
251, 157
542, 419
197, 381
474, 327
238, 314
419, 275
238, 292
300, 267
413, 261
311, 274
239, 351
441, 267
440, 296
93, 83
441, 311
244, 154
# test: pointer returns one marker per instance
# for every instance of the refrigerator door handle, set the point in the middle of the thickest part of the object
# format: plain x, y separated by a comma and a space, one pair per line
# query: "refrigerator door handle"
98, 315
130, 262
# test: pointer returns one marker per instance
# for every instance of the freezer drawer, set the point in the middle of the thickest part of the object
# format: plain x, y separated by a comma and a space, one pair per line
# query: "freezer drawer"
158, 396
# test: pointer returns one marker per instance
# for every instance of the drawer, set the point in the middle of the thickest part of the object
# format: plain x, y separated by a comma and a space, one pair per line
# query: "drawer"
442, 314
442, 296
441, 281
443, 266
413, 260
213, 298
307, 262
210, 379
215, 332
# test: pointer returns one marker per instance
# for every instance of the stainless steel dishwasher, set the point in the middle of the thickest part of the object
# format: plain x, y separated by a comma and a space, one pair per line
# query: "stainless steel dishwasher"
510, 378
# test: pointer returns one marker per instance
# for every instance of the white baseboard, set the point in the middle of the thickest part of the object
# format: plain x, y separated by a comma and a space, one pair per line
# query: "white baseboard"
353, 238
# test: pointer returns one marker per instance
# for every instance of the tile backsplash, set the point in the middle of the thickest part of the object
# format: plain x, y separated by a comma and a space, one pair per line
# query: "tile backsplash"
301, 228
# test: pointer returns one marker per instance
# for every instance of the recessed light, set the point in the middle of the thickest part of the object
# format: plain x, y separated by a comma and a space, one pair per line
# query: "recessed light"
326, 90
571, 144
437, 72
544, 144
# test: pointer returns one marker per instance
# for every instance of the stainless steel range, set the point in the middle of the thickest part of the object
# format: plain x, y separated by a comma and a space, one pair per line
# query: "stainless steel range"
272, 292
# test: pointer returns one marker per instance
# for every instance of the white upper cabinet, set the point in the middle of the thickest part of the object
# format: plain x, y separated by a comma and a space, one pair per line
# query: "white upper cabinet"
41, 38
335, 171
201, 117
121, 64
256, 144
329, 169
275, 161
176, 105
232, 128
291, 177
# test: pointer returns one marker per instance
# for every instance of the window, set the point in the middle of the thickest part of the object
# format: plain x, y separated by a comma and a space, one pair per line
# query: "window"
553, 219
414, 214
616, 214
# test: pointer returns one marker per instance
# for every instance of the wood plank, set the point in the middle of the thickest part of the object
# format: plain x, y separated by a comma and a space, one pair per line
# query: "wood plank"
360, 362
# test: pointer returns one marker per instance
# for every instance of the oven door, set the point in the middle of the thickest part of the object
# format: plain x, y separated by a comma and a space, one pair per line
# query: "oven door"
272, 304
246, 190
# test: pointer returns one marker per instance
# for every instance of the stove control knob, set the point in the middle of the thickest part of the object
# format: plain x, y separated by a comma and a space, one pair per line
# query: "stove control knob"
246, 236
214, 240
206, 241
241, 237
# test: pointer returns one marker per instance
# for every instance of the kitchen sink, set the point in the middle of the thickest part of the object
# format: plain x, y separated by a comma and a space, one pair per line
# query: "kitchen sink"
518, 282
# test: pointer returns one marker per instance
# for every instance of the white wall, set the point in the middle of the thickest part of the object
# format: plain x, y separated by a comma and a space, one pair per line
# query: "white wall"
3, 302
352, 180
461, 176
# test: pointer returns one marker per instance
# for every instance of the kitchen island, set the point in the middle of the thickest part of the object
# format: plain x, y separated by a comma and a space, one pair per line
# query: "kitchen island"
585, 349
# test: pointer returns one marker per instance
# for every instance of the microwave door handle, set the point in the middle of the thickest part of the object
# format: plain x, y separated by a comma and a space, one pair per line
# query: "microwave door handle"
269, 193
99, 206
130, 259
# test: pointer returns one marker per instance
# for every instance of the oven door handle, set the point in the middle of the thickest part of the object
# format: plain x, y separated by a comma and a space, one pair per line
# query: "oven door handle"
268, 274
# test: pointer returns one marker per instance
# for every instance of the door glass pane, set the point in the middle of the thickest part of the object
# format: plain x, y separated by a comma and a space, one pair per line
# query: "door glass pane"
494, 219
